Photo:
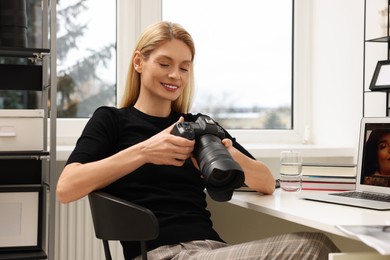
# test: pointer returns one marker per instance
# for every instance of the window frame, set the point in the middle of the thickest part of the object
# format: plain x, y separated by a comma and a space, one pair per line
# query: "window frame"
134, 15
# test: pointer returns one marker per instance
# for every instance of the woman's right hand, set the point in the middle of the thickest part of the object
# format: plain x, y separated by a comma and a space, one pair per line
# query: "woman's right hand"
165, 148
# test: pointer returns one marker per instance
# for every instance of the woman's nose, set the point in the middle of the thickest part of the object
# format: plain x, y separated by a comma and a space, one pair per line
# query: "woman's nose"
174, 73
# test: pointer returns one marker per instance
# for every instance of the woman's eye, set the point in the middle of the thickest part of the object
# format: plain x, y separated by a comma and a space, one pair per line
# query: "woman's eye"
382, 146
184, 69
164, 65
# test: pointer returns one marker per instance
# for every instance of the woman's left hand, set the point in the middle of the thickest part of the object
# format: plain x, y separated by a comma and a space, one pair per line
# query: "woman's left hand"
229, 145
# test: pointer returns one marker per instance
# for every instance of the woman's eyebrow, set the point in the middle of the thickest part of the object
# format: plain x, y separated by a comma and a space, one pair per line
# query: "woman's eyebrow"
171, 59
163, 57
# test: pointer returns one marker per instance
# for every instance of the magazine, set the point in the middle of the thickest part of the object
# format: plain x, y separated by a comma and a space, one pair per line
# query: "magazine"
375, 236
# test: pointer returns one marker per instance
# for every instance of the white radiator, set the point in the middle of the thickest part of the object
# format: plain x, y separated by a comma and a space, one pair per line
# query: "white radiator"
75, 235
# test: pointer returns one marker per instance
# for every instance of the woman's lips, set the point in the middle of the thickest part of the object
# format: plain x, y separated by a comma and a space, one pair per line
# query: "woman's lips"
170, 86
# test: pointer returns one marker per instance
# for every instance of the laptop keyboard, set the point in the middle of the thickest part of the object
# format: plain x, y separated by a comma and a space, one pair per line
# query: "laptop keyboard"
364, 195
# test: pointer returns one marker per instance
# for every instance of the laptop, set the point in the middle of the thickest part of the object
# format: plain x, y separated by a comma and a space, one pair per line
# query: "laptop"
372, 183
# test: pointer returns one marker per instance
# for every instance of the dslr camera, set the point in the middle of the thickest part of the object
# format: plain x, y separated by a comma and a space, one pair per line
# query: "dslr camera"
221, 173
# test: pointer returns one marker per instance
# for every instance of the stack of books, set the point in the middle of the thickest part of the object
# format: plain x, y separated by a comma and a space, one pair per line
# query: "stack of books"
329, 177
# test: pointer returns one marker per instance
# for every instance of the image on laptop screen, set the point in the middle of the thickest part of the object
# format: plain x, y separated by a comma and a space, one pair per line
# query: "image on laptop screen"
373, 172
376, 155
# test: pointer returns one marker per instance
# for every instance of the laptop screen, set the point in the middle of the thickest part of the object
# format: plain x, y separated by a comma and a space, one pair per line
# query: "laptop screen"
375, 155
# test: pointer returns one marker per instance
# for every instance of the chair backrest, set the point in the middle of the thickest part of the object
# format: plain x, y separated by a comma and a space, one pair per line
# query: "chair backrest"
118, 219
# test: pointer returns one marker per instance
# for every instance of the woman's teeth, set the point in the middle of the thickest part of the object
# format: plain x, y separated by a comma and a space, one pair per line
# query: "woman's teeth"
169, 86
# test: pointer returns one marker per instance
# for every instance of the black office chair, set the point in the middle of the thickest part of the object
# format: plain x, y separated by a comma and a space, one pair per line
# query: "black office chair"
118, 219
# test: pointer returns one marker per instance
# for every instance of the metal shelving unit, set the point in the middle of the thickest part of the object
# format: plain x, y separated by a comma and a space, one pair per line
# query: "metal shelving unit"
38, 73
376, 47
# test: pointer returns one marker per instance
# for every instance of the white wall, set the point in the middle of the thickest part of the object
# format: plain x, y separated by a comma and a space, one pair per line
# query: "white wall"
337, 67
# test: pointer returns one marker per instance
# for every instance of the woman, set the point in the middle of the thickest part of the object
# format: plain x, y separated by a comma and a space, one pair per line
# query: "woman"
131, 153
377, 158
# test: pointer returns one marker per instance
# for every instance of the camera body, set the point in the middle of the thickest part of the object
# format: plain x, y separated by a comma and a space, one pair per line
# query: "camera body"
202, 126
221, 173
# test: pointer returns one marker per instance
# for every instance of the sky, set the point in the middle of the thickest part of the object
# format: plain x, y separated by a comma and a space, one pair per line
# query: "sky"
243, 49
101, 32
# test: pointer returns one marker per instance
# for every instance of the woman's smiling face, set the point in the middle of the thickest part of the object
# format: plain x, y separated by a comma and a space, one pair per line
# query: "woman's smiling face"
165, 72
384, 154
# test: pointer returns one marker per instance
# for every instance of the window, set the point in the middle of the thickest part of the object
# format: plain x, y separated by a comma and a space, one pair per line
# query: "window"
243, 66
79, 98
86, 56
86, 51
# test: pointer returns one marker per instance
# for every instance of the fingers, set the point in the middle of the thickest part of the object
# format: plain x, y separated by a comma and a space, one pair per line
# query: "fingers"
181, 153
227, 142
166, 148
170, 128
169, 149
195, 163
175, 157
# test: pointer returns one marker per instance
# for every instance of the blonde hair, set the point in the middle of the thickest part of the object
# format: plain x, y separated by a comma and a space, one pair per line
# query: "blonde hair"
155, 35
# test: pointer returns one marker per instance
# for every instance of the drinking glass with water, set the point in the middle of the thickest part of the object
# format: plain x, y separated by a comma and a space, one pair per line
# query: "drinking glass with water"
290, 170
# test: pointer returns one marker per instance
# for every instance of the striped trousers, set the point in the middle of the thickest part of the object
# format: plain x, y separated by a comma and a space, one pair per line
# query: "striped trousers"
300, 245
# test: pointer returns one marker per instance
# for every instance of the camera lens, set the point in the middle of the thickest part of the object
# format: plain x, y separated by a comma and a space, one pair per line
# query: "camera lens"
219, 176
222, 174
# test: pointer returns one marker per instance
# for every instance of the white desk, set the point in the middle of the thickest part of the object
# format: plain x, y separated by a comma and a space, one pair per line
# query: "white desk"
317, 215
